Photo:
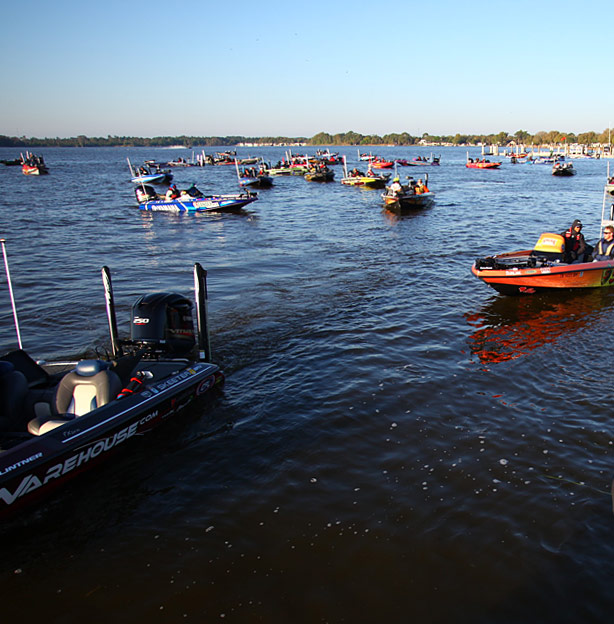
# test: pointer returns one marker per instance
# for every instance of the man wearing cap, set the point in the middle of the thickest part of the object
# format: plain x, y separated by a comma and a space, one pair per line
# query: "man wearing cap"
395, 188
575, 245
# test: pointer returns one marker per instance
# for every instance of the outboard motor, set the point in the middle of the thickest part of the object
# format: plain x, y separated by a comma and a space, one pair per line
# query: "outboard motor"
145, 193
549, 248
162, 324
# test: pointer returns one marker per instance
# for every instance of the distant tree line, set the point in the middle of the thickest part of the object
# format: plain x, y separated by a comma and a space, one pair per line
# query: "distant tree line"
502, 138
322, 138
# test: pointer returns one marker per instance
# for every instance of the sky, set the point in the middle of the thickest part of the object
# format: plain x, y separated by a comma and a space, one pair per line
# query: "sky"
248, 68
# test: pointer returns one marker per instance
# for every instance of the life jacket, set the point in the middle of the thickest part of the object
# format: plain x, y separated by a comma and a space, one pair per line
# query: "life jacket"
608, 250
572, 242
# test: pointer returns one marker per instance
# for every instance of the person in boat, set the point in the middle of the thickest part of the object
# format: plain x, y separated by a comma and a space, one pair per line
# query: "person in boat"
395, 189
193, 191
172, 192
575, 245
604, 249
421, 187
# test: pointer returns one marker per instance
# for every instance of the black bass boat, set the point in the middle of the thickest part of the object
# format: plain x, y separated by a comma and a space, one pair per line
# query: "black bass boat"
59, 419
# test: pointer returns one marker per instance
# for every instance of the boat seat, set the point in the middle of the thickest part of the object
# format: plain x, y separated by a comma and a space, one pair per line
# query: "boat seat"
91, 385
13, 394
35, 374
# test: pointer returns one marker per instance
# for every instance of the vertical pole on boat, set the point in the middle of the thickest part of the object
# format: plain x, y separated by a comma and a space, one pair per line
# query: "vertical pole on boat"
200, 295
131, 169
8, 279
605, 196
108, 293
345, 167
238, 174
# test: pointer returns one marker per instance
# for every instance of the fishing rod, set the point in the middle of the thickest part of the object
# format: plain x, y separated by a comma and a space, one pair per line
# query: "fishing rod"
8, 278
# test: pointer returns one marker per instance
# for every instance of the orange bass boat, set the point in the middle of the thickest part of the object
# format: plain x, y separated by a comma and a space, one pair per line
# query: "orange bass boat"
541, 268
380, 163
484, 164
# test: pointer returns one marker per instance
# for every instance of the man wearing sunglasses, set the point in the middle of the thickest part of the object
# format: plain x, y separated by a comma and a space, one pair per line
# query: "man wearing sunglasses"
604, 249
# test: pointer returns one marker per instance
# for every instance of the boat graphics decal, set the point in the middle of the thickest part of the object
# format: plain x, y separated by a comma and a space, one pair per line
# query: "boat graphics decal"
169, 383
98, 447
20, 463
32, 482
156, 391
607, 277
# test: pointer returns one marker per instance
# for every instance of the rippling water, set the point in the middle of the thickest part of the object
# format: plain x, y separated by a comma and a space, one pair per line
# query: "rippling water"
396, 442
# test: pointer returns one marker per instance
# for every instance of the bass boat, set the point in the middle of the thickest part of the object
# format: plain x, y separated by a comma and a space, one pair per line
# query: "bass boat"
192, 200
320, 174
481, 164
149, 175
563, 169
59, 419
256, 178
33, 165
358, 178
411, 197
382, 163
421, 161
541, 268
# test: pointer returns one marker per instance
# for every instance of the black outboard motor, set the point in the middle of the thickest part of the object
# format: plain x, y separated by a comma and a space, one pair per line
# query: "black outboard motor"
145, 193
162, 324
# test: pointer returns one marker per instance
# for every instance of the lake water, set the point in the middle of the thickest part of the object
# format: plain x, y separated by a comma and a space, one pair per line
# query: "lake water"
396, 442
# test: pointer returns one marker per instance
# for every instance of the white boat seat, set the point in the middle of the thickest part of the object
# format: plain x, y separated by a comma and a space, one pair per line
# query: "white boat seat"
91, 385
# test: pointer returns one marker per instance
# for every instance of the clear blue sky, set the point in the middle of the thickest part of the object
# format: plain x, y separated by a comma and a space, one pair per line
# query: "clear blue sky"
296, 68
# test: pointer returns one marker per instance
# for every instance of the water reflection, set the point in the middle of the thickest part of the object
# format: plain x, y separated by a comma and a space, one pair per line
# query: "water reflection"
510, 327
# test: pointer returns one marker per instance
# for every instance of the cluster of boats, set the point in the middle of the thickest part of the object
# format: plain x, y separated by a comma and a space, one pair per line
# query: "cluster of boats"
312, 168
58, 419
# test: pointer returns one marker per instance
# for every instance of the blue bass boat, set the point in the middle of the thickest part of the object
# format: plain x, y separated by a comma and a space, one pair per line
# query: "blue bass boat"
192, 200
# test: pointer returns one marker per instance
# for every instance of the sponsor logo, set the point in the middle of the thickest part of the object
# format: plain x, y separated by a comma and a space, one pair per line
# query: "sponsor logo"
32, 482
20, 463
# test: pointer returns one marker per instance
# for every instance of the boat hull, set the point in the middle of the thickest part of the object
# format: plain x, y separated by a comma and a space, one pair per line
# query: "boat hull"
325, 176
36, 468
424, 163
366, 181
34, 170
563, 172
517, 279
288, 171
489, 165
256, 181
161, 178
408, 203
215, 203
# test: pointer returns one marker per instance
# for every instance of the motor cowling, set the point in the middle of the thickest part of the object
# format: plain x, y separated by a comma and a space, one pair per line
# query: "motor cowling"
549, 248
163, 324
